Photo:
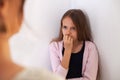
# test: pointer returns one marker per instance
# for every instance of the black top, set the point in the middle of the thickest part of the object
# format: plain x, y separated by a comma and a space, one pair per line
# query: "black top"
75, 65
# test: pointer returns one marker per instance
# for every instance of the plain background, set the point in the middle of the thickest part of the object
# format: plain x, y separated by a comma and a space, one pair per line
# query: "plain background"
43, 22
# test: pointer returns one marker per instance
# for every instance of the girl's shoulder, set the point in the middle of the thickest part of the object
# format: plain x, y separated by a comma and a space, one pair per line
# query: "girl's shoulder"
56, 44
90, 44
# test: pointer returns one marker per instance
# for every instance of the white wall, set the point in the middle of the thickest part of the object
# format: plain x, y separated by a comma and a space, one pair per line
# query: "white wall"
104, 17
41, 23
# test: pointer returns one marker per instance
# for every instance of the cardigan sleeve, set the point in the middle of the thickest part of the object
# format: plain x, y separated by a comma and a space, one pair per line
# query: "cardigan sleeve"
55, 60
91, 68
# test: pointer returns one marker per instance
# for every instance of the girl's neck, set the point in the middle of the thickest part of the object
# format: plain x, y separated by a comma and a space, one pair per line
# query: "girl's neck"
77, 43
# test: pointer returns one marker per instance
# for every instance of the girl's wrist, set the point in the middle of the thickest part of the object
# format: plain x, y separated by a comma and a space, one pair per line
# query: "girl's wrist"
68, 51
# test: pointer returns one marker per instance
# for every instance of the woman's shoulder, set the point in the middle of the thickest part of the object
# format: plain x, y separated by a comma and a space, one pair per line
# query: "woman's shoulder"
27, 74
36, 74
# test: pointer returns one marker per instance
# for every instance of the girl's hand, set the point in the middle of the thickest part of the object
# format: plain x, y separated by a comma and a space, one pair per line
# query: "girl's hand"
68, 42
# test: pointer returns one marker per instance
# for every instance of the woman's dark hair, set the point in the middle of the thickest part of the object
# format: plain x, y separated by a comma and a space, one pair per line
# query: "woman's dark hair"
82, 25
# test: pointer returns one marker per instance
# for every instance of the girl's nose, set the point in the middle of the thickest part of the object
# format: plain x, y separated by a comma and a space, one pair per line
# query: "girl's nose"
68, 32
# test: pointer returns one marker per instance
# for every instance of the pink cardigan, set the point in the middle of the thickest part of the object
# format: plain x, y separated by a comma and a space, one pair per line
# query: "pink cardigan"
90, 60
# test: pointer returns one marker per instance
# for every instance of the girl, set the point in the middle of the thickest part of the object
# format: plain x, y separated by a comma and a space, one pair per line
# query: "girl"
73, 54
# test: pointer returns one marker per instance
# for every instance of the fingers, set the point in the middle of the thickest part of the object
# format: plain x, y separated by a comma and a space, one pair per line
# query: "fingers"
67, 38
68, 42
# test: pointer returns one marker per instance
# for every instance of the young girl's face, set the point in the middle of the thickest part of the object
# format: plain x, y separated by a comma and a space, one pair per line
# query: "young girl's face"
68, 28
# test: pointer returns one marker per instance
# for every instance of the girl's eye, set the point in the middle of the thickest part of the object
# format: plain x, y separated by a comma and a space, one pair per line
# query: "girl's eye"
64, 27
73, 28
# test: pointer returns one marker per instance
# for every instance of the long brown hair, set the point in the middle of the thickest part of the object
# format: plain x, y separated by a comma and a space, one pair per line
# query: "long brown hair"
81, 22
